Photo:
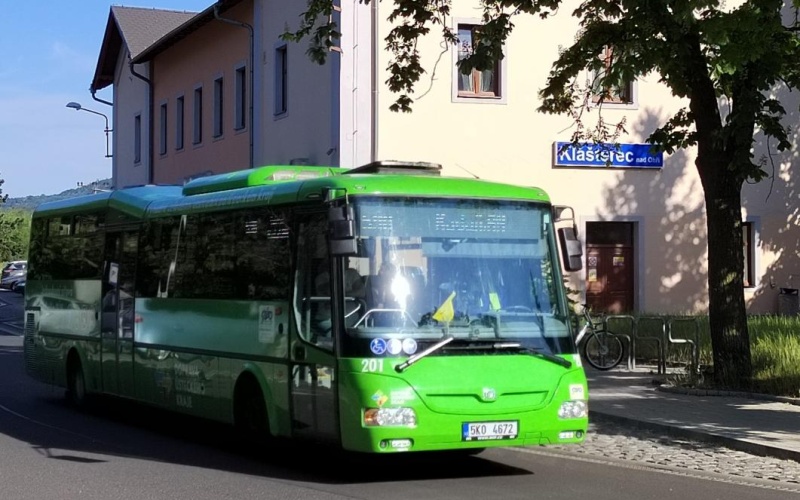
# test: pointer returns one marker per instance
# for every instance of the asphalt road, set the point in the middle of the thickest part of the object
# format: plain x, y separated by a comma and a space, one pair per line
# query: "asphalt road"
11, 308
124, 451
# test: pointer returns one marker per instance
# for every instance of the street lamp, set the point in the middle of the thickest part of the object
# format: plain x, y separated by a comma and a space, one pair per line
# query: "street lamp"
77, 107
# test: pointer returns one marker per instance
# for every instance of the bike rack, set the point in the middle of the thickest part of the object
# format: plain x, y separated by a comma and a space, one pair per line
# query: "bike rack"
628, 338
660, 341
694, 343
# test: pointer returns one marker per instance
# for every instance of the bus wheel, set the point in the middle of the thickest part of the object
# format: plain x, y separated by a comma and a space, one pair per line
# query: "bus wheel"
76, 383
250, 412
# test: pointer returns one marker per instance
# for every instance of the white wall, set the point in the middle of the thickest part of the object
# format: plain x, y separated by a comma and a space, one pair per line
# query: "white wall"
308, 128
355, 99
130, 98
510, 141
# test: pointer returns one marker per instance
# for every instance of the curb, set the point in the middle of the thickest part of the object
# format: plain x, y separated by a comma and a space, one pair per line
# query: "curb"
704, 436
731, 394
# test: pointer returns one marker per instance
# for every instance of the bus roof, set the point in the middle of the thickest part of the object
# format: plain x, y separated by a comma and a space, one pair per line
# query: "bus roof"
132, 201
280, 184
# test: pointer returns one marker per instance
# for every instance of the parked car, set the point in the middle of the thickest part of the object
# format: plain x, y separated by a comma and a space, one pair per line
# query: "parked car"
13, 273
13, 265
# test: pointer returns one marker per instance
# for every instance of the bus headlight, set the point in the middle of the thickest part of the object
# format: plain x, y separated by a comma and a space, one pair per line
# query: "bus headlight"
573, 409
390, 417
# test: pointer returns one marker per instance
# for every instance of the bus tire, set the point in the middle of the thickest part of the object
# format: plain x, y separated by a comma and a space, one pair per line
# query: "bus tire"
250, 412
76, 383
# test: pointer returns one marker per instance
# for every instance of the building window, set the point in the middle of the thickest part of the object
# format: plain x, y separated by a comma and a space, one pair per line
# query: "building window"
240, 82
620, 92
281, 83
137, 139
476, 84
162, 129
218, 99
179, 117
748, 237
197, 129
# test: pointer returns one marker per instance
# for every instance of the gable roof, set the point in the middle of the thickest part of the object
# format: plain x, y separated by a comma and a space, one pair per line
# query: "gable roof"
138, 28
184, 30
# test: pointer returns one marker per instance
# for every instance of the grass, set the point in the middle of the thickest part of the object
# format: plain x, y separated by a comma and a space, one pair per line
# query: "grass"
774, 347
775, 351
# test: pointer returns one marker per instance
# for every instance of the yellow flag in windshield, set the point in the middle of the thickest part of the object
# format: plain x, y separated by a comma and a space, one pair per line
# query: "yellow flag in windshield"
445, 312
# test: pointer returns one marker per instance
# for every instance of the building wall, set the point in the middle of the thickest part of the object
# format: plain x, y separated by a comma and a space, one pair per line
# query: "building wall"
509, 141
308, 131
215, 50
130, 99
773, 206
355, 102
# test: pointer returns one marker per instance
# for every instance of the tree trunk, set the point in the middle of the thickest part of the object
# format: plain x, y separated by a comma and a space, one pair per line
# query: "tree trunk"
727, 317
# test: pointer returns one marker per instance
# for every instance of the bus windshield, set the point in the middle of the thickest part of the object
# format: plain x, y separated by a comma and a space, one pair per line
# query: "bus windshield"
481, 271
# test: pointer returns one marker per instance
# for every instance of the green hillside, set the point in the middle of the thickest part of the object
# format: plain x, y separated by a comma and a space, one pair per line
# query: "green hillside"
28, 203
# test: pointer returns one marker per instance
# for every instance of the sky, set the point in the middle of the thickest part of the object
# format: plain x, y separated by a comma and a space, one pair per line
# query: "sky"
48, 55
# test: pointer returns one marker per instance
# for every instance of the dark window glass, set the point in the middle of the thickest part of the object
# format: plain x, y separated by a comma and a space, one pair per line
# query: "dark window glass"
263, 256
609, 233
36, 255
747, 238
179, 121
241, 255
158, 241
67, 248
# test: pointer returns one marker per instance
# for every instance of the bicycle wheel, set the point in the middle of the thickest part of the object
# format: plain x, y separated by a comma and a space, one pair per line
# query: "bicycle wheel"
603, 350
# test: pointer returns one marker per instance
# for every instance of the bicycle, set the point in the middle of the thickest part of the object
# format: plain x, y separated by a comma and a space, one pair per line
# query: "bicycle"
600, 347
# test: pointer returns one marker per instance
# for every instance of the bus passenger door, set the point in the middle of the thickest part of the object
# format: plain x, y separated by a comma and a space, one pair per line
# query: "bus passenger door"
116, 324
313, 377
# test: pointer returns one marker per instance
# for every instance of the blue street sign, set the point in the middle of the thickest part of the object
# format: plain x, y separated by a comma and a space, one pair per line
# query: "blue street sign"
566, 154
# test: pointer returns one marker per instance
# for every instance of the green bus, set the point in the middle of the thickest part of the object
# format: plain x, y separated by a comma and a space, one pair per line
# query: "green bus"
383, 308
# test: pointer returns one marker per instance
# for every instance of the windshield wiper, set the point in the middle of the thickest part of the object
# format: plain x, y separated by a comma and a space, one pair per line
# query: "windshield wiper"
413, 359
534, 352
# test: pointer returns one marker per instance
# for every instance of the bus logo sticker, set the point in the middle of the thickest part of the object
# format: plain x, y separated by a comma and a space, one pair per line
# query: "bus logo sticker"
266, 324
576, 391
489, 394
379, 397
394, 346
409, 346
377, 346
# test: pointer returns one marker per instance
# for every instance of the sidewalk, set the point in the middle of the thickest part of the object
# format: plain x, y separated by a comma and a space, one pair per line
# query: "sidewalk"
763, 427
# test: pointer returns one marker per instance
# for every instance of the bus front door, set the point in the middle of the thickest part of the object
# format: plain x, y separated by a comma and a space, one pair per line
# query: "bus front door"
312, 362
116, 324
313, 394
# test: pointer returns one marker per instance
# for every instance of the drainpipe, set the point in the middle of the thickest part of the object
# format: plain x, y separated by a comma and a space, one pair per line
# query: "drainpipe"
149, 83
250, 67
93, 90
375, 82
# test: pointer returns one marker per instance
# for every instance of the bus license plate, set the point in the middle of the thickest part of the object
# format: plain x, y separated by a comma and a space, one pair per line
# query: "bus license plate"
482, 431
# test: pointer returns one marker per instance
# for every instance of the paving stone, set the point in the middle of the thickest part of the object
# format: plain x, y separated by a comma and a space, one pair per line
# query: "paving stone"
612, 440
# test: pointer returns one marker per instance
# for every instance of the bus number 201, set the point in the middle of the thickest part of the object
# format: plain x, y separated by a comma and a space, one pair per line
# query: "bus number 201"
372, 365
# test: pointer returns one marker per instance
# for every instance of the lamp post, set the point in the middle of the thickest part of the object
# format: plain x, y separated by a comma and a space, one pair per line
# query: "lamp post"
77, 107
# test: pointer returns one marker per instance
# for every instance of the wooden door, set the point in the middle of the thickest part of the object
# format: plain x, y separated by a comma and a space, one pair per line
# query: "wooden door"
610, 267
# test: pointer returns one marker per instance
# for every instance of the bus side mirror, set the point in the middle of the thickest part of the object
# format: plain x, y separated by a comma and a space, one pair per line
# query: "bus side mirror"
342, 230
571, 252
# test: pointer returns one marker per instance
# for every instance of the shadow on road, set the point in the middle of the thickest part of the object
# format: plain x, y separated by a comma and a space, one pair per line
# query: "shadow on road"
38, 414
